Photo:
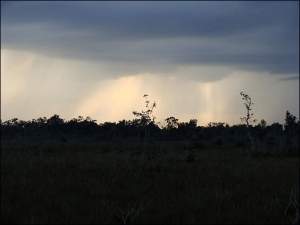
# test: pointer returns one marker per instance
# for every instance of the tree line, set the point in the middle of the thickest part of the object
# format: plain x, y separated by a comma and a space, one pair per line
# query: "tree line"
144, 128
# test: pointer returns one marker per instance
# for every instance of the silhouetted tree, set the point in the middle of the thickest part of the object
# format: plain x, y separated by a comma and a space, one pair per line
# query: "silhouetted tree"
55, 120
248, 103
290, 130
290, 123
193, 123
172, 123
145, 118
262, 124
249, 117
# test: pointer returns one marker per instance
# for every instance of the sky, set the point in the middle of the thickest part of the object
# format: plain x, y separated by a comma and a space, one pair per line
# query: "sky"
98, 59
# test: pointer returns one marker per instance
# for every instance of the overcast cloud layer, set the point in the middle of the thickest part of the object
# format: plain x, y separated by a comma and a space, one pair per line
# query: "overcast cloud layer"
139, 37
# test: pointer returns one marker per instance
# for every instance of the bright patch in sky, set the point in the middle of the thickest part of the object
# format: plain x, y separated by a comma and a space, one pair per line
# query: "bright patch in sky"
34, 86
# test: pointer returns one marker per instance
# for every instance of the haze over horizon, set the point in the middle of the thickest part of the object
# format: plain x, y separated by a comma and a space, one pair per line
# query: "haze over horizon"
97, 59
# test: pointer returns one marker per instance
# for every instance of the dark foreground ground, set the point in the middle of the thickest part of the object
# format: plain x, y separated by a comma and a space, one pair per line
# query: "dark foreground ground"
130, 183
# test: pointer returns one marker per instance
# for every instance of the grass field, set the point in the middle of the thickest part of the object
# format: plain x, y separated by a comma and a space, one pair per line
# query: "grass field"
131, 183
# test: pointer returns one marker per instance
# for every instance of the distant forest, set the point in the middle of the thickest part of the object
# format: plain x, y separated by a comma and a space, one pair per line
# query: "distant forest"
275, 137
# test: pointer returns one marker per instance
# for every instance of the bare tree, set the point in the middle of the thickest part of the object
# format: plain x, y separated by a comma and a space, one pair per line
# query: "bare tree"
146, 117
249, 117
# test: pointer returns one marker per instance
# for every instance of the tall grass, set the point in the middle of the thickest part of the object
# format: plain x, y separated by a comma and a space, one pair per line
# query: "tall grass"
131, 183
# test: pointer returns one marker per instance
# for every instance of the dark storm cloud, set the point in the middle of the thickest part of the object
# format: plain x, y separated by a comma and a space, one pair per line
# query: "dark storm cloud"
149, 36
